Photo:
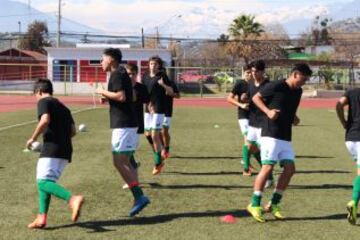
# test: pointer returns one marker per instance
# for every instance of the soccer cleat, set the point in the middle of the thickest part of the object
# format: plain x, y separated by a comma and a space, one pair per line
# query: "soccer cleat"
269, 183
39, 222
157, 169
256, 213
125, 186
352, 212
139, 205
76, 203
275, 210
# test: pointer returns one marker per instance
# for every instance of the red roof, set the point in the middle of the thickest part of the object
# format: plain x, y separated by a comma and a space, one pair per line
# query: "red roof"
18, 53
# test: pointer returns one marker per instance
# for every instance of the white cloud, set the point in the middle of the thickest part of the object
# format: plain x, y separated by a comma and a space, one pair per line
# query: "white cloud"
198, 17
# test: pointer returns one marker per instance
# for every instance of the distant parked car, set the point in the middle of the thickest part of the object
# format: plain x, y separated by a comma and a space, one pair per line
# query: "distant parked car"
193, 76
226, 77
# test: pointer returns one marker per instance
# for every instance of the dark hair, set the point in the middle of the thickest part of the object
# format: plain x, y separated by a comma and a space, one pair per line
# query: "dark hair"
158, 60
43, 85
258, 65
302, 68
247, 67
115, 53
132, 67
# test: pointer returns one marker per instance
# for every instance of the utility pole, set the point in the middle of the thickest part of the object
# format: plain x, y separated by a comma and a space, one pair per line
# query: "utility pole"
19, 26
157, 37
58, 25
29, 8
142, 38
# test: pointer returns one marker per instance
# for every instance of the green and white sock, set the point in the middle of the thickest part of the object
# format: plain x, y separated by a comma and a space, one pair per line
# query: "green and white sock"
276, 197
157, 158
356, 190
51, 187
44, 201
246, 157
258, 157
256, 199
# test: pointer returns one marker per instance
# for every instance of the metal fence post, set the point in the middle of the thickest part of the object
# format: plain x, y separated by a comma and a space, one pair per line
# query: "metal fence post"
64, 79
201, 83
30, 72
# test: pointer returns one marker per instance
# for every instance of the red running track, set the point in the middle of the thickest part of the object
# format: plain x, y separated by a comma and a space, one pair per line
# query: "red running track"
10, 103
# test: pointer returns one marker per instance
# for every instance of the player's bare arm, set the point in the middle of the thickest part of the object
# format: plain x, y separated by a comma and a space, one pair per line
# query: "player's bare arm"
232, 99
42, 124
272, 114
169, 90
340, 105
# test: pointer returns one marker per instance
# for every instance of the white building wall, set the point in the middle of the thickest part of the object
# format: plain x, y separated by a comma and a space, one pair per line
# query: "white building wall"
95, 54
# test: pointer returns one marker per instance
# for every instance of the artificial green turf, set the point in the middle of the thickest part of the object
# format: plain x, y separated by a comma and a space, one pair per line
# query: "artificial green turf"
201, 182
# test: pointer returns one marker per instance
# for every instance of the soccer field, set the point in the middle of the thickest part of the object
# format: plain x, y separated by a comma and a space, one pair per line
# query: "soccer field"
201, 182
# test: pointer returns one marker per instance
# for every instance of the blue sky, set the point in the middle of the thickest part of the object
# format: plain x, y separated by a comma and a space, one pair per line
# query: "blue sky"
128, 16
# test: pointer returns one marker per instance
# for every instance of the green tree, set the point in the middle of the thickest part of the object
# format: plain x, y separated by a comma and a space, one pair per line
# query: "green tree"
327, 74
242, 31
245, 26
36, 37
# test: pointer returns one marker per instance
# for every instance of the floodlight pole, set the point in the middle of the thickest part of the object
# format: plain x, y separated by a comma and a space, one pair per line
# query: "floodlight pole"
142, 38
58, 25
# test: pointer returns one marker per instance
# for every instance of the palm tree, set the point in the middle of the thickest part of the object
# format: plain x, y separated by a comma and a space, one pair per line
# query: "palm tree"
241, 30
244, 26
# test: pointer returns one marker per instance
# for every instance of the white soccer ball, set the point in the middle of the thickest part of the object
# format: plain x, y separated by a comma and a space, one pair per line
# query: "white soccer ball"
36, 146
82, 128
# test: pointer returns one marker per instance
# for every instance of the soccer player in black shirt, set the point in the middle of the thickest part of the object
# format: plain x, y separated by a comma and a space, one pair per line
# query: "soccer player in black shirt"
351, 99
238, 97
279, 100
142, 97
159, 87
57, 128
123, 122
165, 136
256, 116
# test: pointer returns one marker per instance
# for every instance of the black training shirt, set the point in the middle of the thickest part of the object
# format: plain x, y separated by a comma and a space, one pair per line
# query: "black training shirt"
157, 92
57, 135
122, 114
240, 88
256, 116
278, 95
170, 100
353, 120
142, 97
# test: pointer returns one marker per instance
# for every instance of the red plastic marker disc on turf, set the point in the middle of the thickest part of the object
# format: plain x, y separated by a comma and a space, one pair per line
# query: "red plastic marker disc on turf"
228, 219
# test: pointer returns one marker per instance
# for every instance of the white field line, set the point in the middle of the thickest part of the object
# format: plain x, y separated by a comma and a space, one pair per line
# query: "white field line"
34, 121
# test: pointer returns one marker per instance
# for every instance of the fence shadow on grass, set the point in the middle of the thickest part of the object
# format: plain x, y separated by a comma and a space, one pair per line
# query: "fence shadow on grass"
321, 171
101, 226
194, 186
205, 157
239, 173
202, 173
328, 217
312, 156
322, 186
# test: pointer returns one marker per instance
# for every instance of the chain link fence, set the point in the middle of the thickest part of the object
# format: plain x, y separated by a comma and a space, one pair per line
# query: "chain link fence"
192, 81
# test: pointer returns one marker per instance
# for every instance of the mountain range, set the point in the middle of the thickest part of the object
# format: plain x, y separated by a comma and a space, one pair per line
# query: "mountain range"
198, 22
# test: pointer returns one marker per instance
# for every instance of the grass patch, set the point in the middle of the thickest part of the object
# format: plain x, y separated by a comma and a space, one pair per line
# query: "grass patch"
202, 181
